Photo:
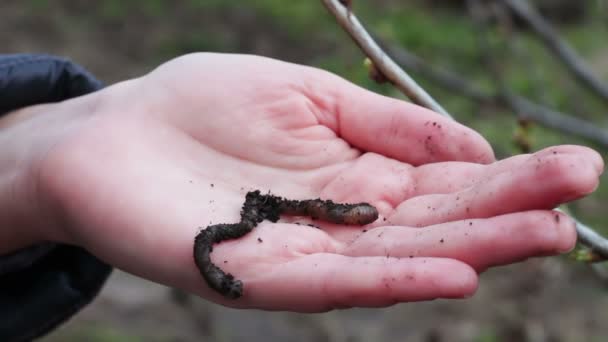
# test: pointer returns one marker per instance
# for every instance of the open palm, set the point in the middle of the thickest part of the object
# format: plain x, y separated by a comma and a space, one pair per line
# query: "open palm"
172, 152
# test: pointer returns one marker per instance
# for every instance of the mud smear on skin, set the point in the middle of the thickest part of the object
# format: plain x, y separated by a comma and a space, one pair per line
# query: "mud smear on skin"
257, 208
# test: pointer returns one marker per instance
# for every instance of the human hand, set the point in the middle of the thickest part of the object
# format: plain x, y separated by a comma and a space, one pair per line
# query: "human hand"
132, 172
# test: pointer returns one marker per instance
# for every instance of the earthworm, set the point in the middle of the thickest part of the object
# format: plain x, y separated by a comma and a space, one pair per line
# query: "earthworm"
257, 208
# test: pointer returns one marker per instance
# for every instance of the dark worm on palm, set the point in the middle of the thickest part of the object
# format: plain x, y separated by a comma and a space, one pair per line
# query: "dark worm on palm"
257, 208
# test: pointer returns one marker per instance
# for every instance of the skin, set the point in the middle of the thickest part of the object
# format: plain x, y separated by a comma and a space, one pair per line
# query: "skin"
133, 171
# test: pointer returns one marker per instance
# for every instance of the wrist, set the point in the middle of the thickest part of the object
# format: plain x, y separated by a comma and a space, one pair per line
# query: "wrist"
15, 231
28, 216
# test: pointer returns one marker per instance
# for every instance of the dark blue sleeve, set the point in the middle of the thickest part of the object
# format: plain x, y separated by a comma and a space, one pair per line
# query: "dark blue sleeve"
44, 285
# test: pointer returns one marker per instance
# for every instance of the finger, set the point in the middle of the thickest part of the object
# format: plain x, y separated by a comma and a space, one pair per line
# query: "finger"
481, 243
387, 182
542, 182
593, 157
376, 178
446, 177
322, 282
394, 128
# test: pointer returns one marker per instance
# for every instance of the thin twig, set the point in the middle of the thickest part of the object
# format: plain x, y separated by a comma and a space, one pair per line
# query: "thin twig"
547, 34
525, 108
441, 76
589, 237
405, 83
551, 118
381, 60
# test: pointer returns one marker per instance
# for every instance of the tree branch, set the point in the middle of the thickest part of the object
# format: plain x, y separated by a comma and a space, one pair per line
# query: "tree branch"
406, 84
589, 237
381, 60
574, 63
525, 108
557, 120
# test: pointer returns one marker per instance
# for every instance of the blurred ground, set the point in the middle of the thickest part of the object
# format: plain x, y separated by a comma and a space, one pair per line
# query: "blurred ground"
539, 300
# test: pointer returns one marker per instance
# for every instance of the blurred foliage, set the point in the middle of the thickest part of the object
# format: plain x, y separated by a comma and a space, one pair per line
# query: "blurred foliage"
487, 335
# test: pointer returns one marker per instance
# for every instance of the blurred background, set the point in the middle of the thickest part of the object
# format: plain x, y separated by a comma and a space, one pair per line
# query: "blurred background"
490, 50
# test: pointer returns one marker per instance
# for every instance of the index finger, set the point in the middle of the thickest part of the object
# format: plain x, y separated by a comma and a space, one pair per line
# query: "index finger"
395, 128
